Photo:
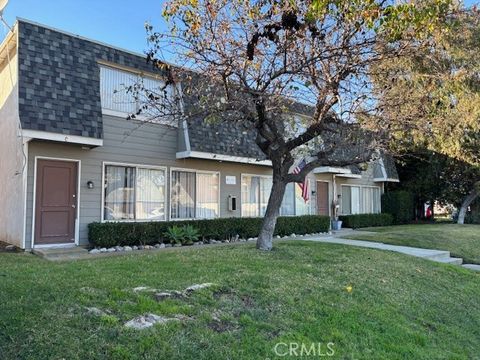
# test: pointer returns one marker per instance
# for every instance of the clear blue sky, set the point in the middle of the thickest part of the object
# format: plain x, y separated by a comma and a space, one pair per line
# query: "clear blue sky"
116, 22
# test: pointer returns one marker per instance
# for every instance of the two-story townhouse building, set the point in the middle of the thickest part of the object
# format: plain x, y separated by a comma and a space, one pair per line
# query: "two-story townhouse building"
70, 157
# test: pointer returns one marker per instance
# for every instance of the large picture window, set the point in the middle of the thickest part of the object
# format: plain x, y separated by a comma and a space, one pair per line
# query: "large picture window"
194, 195
371, 200
256, 191
134, 193
360, 200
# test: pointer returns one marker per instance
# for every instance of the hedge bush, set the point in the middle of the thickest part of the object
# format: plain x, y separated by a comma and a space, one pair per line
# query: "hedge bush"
400, 205
366, 220
144, 233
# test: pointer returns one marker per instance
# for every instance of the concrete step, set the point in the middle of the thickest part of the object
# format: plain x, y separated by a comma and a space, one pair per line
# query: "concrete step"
436, 254
453, 261
473, 267
60, 253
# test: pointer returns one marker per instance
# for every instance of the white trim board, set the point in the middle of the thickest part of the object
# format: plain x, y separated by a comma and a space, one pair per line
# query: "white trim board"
331, 170
220, 157
72, 139
351, 176
77, 220
386, 180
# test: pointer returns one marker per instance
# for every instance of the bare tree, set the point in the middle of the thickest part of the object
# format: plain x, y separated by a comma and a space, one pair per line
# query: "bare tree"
257, 62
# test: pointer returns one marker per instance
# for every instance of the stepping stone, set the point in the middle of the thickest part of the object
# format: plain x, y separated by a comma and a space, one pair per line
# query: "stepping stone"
473, 267
146, 321
198, 287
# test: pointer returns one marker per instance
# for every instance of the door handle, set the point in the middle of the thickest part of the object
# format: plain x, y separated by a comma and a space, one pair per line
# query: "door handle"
74, 206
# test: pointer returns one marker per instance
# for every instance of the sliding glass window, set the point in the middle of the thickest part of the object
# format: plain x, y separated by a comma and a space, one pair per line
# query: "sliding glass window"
134, 193
194, 195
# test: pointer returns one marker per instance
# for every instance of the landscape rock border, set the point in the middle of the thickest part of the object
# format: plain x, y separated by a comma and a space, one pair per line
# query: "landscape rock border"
158, 246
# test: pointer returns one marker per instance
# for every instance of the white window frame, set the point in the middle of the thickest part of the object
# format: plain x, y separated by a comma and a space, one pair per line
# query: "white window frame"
380, 197
195, 171
136, 166
138, 74
241, 190
271, 177
362, 202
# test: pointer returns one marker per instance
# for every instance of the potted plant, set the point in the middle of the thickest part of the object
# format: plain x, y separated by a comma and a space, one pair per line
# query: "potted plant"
336, 224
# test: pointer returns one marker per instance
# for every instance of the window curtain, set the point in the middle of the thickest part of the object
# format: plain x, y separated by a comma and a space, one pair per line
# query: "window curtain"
183, 195
346, 200
207, 196
288, 203
265, 190
250, 195
150, 194
301, 207
371, 200
377, 201
119, 193
355, 202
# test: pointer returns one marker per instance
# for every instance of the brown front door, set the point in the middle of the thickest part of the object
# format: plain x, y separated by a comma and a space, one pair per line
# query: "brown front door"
322, 198
56, 202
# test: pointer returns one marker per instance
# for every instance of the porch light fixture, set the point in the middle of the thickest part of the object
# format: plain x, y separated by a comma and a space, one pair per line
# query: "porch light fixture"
90, 184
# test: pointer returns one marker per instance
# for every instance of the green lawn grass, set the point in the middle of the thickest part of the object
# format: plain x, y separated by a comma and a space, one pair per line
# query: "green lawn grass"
461, 240
400, 307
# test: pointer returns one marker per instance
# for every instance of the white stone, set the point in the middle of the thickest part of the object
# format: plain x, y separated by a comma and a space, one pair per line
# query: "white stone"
198, 287
94, 251
111, 250
143, 288
278, 236
146, 321
10, 247
168, 245
118, 248
103, 250
135, 247
127, 248
95, 311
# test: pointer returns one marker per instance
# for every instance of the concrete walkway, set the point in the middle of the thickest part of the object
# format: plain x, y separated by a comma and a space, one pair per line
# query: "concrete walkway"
337, 237
442, 256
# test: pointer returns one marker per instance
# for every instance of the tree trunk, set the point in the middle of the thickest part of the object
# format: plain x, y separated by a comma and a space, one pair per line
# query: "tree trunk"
265, 239
466, 203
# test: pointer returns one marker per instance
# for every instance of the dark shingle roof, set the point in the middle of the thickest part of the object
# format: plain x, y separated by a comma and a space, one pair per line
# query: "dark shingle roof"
224, 138
59, 80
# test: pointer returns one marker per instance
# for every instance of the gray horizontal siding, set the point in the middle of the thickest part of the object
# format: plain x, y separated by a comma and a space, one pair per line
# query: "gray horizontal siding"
126, 142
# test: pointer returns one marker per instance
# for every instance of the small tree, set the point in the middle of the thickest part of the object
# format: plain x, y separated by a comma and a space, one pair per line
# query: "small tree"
253, 62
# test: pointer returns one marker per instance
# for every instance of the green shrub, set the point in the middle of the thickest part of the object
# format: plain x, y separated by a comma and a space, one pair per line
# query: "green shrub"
400, 205
175, 234
366, 220
190, 235
134, 233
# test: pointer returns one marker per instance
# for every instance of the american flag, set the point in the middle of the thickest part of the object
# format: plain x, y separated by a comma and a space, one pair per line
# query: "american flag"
305, 184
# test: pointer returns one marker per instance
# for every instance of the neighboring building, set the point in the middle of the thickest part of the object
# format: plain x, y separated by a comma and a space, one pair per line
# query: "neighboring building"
69, 157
